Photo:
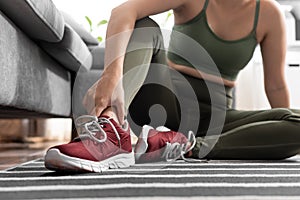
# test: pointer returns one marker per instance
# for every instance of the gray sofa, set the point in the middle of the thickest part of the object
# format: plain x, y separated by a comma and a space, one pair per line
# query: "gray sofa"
48, 62
42, 50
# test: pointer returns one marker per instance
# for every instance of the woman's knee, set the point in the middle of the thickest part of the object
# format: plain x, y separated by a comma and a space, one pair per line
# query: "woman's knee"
281, 113
146, 22
146, 35
285, 114
147, 28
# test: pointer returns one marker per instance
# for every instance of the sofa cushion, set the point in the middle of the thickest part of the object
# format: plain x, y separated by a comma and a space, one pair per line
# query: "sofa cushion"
30, 79
38, 19
80, 30
71, 51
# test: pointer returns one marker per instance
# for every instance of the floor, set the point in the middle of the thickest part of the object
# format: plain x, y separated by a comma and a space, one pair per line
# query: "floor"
210, 180
23, 140
12, 154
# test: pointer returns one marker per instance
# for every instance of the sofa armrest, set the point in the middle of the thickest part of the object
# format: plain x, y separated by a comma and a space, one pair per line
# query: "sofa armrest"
86, 36
98, 57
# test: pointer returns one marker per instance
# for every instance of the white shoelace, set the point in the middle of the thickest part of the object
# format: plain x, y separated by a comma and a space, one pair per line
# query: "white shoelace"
89, 126
176, 150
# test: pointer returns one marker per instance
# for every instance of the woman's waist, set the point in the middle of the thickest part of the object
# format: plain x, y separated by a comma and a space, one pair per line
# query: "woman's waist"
200, 74
205, 93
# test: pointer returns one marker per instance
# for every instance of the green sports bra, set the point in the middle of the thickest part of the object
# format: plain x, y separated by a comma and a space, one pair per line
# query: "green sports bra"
229, 56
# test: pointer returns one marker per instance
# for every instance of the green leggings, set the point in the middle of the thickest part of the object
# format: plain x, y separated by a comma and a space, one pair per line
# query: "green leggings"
157, 95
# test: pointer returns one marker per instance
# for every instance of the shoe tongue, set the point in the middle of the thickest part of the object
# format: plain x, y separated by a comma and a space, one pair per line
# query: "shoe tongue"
109, 118
108, 127
116, 125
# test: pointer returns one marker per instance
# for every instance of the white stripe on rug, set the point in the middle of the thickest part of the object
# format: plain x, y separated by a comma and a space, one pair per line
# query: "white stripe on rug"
206, 169
193, 164
147, 185
142, 176
167, 169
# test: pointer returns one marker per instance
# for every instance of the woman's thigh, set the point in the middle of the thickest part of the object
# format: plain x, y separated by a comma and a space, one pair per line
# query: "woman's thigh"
147, 84
155, 104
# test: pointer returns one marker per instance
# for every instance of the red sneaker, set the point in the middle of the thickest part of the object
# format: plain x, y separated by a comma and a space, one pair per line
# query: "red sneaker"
162, 144
102, 144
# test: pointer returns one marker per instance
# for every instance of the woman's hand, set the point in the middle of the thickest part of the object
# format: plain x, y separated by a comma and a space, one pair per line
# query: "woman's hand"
106, 92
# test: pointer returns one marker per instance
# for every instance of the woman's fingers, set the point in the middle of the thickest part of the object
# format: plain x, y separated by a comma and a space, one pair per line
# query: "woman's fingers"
98, 110
104, 94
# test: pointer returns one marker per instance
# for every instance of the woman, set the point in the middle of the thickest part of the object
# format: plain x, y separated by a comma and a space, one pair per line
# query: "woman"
229, 31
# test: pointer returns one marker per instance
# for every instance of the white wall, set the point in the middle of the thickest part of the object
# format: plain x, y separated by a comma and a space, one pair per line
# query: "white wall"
98, 10
95, 9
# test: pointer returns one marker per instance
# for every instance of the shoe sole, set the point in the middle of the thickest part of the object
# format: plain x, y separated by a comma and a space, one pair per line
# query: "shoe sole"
57, 161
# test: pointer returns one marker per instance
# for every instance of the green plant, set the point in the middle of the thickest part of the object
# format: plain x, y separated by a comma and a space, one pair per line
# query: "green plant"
169, 14
93, 28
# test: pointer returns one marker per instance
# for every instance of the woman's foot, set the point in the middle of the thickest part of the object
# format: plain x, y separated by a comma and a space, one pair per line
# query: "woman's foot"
162, 144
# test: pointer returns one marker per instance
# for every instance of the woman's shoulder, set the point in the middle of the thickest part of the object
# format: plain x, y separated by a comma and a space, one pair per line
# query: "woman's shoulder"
270, 8
271, 19
271, 15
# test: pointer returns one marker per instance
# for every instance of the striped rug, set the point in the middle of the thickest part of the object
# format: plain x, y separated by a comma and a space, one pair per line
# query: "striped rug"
178, 180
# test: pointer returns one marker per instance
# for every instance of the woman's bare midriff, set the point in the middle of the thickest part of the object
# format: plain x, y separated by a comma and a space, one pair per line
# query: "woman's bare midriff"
199, 74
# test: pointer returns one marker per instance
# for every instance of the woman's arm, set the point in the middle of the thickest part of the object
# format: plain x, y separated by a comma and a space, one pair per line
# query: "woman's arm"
120, 27
273, 47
